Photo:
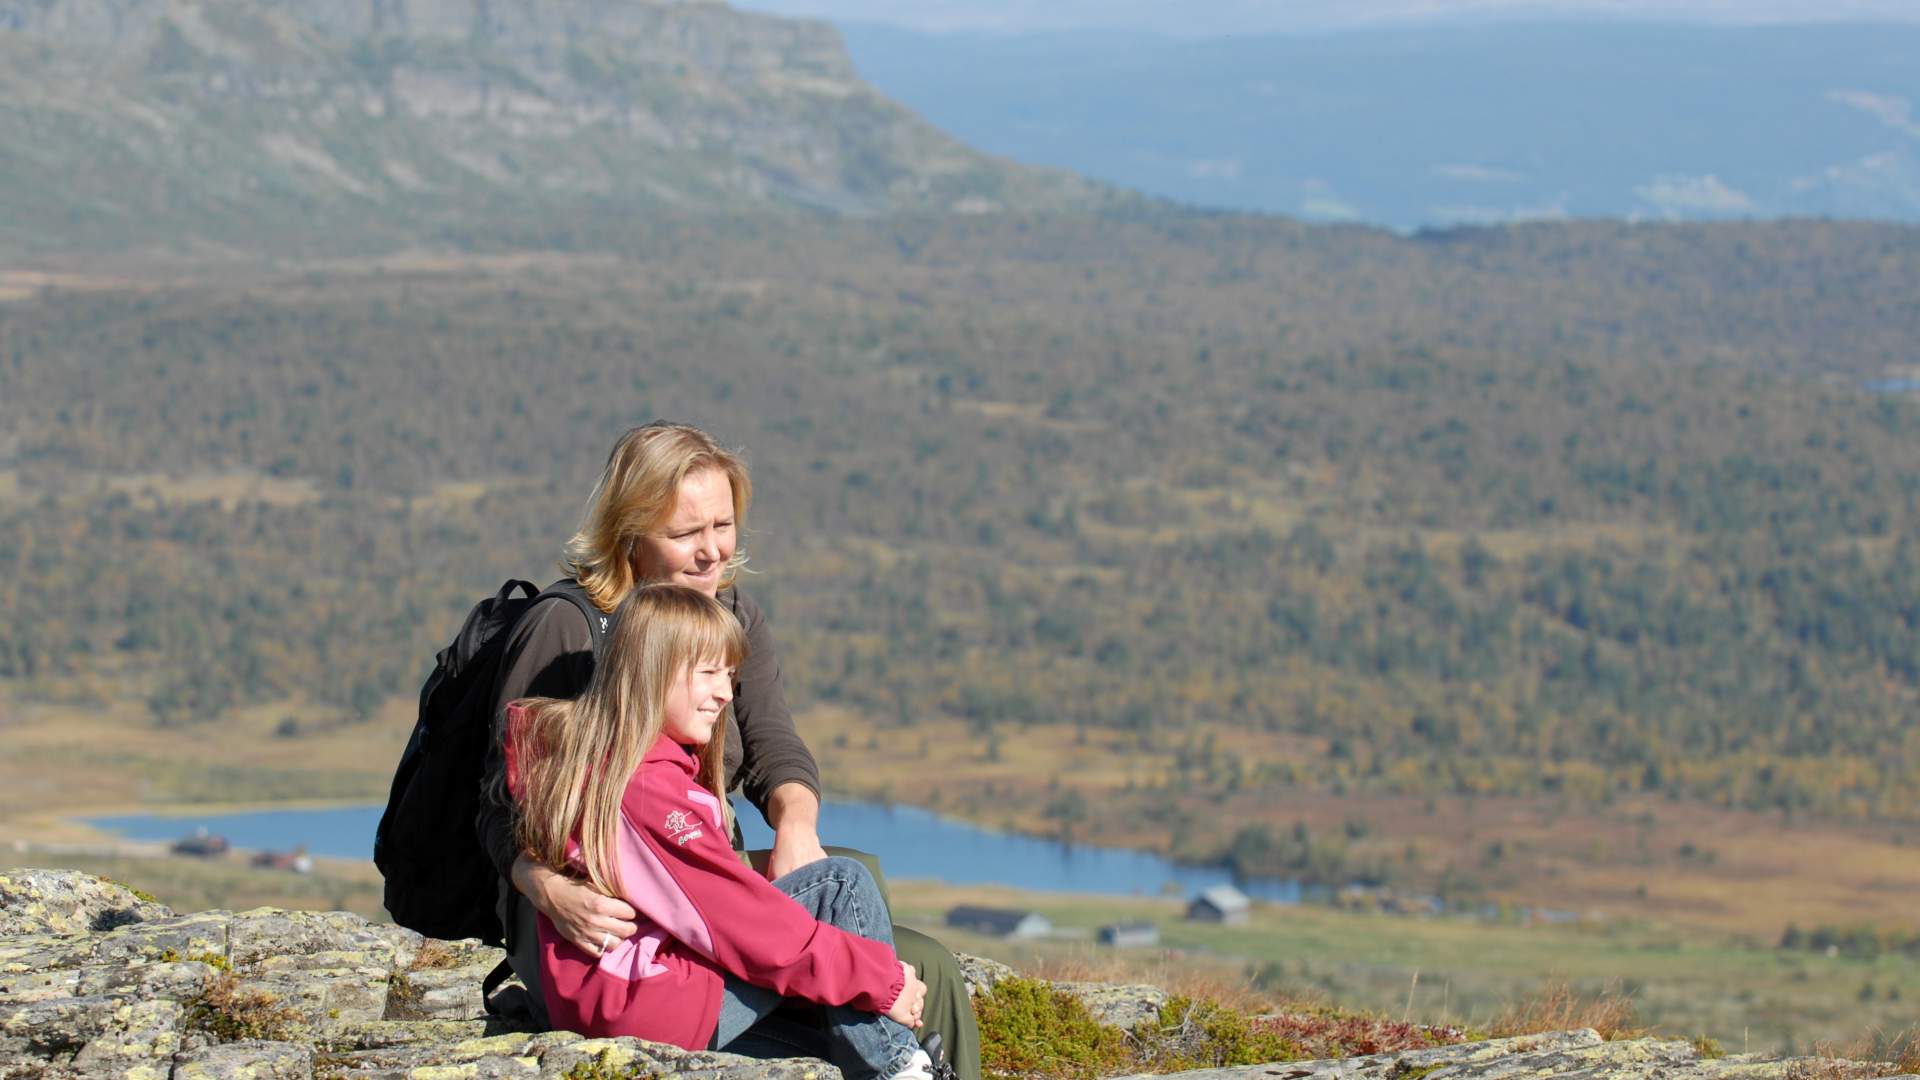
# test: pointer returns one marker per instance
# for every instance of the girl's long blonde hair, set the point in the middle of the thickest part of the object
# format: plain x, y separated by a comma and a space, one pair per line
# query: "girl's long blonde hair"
575, 757
637, 491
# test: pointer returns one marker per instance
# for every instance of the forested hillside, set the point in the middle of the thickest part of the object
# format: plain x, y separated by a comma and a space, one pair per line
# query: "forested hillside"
1587, 510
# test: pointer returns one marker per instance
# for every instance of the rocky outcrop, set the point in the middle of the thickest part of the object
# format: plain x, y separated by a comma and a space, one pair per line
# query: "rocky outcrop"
98, 981
55, 902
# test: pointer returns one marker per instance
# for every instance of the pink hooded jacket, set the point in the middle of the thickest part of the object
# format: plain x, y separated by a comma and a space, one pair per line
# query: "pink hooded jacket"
702, 914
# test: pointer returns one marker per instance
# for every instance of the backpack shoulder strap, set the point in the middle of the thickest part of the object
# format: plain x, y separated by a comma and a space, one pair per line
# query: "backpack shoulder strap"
598, 622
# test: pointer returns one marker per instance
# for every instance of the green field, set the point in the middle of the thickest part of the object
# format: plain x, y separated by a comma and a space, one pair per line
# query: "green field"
1682, 983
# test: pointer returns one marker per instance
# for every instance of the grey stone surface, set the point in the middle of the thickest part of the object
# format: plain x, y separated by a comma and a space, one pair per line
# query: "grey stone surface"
451, 993
1567, 1055
142, 1037
331, 938
245, 1061
326, 994
643, 1056
24, 986
981, 973
176, 980
178, 937
57, 902
55, 1025
1121, 1006
380, 1034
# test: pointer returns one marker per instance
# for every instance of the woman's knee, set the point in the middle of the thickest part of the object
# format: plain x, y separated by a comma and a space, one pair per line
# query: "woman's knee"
862, 910
831, 875
849, 869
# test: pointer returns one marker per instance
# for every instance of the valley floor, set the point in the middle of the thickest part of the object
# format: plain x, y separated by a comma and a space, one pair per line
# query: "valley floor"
1678, 907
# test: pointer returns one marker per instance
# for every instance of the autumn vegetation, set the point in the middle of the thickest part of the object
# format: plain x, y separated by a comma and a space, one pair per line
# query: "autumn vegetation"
1588, 514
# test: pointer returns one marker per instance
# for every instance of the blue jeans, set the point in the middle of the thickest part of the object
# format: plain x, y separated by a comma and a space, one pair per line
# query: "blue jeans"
839, 892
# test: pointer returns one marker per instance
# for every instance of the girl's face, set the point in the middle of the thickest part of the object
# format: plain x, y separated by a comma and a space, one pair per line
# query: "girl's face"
697, 700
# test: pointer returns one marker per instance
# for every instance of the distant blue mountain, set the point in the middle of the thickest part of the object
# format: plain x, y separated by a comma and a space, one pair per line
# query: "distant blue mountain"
1439, 125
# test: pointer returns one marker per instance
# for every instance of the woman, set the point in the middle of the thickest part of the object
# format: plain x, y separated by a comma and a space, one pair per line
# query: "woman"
721, 948
670, 507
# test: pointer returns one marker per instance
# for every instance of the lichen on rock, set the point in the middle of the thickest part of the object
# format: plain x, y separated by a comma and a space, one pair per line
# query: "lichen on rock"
60, 902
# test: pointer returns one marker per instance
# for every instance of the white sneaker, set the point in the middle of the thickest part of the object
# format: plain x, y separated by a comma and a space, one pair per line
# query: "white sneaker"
919, 1068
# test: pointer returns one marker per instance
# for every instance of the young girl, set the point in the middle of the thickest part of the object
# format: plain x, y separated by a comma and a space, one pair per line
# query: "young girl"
626, 785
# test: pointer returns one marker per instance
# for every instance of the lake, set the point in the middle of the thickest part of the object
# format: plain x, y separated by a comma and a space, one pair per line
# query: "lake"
1893, 385
911, 843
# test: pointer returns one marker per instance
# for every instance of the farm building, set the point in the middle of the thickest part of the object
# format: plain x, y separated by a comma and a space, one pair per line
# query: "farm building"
999, 922
1221, 904
202, 844
1130, 935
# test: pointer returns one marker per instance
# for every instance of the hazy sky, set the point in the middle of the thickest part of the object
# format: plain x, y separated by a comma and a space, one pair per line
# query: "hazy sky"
1207, 17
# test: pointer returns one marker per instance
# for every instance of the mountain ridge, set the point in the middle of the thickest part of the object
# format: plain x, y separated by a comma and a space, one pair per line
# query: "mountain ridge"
341, 126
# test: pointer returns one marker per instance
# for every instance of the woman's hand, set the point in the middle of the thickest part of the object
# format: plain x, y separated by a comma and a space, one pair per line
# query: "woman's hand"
794, 812
793, 848
912, 1000
591, 920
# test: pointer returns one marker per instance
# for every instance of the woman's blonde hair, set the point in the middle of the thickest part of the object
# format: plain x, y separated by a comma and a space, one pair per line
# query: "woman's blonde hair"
636, 493
576, 757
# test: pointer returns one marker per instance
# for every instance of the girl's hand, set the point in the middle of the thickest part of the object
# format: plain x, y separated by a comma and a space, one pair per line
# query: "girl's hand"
592, 921
912, 1000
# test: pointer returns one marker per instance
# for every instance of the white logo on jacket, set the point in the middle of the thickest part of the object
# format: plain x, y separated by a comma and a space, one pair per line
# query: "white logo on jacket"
682, 827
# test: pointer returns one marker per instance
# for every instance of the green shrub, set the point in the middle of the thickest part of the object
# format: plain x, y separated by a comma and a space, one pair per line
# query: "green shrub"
1030, 1029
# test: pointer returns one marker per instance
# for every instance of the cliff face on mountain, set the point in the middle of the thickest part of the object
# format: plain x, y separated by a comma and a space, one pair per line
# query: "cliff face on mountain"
96, 980
346, 123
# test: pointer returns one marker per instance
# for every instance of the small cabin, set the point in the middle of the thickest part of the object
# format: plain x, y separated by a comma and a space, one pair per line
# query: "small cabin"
202, 843
1220, 904
999, 922
1130, 935
296, 861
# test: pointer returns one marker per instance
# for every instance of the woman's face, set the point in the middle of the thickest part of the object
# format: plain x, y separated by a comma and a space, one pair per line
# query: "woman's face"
694, 544
697, 701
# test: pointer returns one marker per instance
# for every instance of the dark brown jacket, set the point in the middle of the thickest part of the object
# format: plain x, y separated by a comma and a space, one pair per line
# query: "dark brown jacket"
550, 654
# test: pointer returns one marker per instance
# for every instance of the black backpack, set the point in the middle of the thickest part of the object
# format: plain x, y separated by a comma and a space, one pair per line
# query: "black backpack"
439, 880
